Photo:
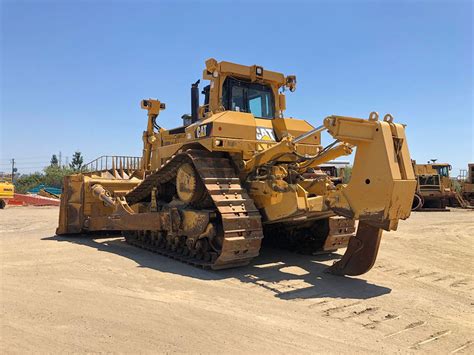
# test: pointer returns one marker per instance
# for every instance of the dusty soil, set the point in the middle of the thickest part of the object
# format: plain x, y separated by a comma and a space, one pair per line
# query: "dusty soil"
83, 294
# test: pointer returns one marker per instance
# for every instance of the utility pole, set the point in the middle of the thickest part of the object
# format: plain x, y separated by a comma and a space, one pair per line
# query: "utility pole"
13, 168
60, 159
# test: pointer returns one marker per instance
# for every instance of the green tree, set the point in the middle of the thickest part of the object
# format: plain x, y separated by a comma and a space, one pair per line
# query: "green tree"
53, 175
54, 160
26, 182
77, 161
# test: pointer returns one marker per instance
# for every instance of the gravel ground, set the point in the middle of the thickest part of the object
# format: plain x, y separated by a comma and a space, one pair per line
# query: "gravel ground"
83, 294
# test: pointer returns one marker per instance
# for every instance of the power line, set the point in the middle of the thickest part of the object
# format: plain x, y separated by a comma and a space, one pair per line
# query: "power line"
23, 158
26, 162
22, 168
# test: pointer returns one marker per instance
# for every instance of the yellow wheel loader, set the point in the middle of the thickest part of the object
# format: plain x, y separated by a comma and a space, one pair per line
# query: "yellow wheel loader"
238, 170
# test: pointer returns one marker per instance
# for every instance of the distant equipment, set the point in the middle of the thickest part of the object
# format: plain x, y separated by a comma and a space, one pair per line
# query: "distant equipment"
7, 192
435, 189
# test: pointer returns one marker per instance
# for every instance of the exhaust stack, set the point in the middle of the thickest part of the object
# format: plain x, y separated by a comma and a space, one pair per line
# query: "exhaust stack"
195, 101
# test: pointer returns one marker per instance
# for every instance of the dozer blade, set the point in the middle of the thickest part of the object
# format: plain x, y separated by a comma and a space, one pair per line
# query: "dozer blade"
361, 252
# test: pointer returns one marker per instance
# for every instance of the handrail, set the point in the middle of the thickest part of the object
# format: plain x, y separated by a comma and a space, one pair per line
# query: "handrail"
113, 162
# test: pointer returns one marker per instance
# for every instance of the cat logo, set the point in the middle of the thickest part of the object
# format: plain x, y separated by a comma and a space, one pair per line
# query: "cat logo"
204, 130
265, 134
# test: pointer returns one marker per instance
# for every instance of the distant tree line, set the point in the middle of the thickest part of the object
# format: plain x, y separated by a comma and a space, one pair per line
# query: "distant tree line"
51, 175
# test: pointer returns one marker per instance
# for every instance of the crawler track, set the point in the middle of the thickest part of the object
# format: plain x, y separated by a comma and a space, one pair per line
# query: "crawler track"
239, 220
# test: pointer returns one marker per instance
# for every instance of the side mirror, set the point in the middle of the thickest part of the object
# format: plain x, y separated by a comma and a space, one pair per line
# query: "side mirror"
291, 82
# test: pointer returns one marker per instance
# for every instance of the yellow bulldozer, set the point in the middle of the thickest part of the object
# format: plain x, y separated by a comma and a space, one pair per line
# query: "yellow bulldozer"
237, 170
435, 190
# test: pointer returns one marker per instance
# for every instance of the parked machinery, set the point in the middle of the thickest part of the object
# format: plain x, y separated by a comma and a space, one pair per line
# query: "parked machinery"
435, 190
238, 170
466, 180
7, 191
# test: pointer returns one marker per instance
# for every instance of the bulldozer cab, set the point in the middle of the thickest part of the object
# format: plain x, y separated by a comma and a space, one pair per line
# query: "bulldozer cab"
244, 96
442, 169
240, 88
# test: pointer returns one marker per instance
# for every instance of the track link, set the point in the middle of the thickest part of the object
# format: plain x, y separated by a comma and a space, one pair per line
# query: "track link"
184, 256
240, 219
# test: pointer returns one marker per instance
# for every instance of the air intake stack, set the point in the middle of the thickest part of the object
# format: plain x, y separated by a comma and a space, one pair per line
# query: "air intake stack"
195, 101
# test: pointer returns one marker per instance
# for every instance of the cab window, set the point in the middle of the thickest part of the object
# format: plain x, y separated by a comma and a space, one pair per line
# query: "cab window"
237, 99
260, 103
443, 171
243, 96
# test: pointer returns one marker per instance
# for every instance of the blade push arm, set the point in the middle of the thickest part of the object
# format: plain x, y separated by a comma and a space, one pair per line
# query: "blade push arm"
287, 145
326, 155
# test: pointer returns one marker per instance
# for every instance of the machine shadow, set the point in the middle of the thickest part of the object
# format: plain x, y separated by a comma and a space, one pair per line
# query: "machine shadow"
287, 275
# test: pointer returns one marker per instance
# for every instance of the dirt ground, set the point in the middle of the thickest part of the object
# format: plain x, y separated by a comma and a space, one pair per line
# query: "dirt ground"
101, 295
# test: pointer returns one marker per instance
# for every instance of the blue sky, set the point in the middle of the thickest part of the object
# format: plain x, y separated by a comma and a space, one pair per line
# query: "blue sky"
74, 72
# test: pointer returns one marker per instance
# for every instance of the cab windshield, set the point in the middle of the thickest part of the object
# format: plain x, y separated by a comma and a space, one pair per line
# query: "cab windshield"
442, 170
243, 96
